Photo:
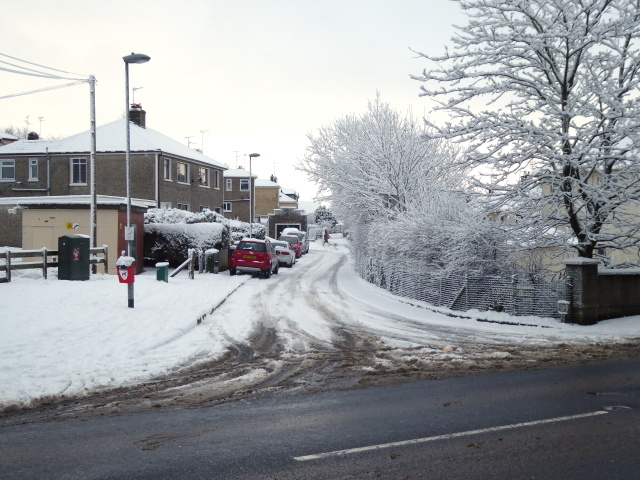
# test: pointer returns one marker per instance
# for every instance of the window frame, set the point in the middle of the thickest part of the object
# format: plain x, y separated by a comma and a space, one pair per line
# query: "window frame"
228, 185
165, 205
183, 206
81, 163
186, 165
227, 207
216, 179
7, 164
245, 181
166, 167
207, 177
33, 162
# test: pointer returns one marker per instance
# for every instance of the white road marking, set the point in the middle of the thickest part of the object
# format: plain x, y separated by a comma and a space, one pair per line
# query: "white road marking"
447, 436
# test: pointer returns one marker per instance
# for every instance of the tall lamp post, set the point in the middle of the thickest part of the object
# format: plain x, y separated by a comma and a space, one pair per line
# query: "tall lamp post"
251, 156
129, 233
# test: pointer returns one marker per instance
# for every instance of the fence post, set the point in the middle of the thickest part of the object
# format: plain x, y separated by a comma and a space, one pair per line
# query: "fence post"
44, 262
192, 263
514, 299
8, 264
106, 259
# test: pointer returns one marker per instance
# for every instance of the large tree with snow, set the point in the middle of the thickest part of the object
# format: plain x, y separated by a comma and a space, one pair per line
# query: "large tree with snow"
373, 164
544, 93
401, 192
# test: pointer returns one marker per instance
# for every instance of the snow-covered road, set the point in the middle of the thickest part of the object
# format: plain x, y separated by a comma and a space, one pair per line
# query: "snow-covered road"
311, 326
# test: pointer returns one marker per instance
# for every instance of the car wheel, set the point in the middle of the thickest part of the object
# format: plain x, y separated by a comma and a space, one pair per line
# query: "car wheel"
290, 265
277, 269
232, 271
267, 272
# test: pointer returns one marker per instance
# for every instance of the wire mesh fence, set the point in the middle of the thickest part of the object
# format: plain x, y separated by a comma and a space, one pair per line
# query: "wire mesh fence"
464, 292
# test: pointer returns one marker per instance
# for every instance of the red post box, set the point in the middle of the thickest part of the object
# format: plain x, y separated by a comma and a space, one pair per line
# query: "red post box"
126, 267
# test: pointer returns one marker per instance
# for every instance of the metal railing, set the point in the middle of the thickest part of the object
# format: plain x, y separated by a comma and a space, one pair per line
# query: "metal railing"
462, 292
43, 263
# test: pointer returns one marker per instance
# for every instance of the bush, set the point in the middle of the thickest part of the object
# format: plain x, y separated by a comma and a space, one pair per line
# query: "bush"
169, 233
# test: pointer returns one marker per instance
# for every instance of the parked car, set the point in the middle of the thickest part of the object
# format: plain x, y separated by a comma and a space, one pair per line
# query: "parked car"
286, 253
294, 241
304, 238
253, 255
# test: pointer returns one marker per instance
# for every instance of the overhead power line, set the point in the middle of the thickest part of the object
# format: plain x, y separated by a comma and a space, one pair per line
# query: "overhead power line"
41, 66
44, 89
23, 70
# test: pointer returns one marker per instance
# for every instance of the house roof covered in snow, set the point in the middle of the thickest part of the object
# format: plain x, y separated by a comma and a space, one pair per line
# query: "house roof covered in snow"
238, 173
286, 198
261, 183
111, 138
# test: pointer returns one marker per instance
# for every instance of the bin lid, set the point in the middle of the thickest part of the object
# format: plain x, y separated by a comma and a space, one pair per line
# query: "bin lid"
125, 262
211, 250
162, 264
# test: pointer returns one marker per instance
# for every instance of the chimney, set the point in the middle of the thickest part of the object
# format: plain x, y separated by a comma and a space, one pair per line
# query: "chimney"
137, 115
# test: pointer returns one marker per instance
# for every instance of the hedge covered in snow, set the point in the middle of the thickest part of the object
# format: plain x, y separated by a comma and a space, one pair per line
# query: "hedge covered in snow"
169, 233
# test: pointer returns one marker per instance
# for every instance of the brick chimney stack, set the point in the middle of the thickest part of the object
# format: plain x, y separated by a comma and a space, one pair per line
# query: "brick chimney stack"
137, 115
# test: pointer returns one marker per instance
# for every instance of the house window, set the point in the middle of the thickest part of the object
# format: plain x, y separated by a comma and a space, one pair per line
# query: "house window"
226, 206
33, 169
204, 208
7, 170
229, 186
216, 179
165, 205
218, 210
183, 206
167, 169
244, 185
78, 171
203, 176
183, 173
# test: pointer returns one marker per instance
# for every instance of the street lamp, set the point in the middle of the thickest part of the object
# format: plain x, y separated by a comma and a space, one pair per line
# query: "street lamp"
251, 156
128, 233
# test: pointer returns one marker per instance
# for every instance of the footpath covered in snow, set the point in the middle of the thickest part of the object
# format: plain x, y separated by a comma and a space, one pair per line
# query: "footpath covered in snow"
68, 338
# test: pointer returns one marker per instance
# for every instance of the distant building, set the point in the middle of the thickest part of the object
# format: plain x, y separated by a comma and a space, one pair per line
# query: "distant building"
237, 187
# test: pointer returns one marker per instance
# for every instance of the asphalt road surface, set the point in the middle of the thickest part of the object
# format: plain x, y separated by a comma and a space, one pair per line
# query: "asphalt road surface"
576, 422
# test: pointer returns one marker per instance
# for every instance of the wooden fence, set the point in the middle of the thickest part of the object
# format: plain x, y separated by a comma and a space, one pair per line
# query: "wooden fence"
43, 260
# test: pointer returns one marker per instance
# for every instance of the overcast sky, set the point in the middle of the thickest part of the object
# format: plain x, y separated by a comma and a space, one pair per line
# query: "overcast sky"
254, 75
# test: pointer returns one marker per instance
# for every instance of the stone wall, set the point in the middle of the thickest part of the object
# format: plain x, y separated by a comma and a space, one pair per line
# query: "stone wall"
601, 294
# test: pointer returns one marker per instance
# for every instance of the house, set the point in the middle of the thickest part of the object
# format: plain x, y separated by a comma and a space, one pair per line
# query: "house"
163, 173
236, 194
7, 138
267, 197
287, 201
163, 170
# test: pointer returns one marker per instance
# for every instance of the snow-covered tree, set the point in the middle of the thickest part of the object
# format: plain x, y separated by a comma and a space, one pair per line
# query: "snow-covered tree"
324, 217
544, 95
373, 164
401, 193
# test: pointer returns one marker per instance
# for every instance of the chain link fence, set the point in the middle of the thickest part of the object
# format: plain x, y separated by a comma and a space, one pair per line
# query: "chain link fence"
464, 292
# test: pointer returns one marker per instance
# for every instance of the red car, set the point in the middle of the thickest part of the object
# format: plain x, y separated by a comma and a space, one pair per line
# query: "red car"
253, 255
295, 243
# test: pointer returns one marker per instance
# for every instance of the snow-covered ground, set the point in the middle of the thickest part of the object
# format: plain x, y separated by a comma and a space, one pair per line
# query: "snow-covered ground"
70, 337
